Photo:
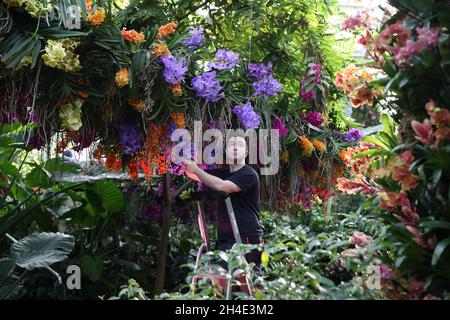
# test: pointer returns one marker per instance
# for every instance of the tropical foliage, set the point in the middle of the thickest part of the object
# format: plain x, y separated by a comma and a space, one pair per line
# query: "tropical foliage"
345, 203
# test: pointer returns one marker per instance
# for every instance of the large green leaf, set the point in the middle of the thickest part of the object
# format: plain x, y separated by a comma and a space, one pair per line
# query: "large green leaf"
110, 195
41, 249
92, 267
439, 250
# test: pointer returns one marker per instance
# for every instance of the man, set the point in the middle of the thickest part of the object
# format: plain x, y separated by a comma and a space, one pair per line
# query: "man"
241, 182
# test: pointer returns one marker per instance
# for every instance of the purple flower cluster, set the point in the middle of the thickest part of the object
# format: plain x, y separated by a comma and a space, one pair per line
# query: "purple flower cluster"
195, 39
352, 135
247, 116
268, 86
305, 192
313, 117
130, 137
314, 71
259, 70
207, 86
308, 96
227, 60
281, 126
265, 83
174, 69
182, 213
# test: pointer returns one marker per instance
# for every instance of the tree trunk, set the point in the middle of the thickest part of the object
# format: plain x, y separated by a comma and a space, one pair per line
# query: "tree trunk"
162, 255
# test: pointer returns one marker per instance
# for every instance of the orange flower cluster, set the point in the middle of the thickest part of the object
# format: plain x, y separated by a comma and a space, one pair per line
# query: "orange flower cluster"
176, 89
319, 145
147, 168
440, 118
97, 17
359, 165
354, 83
166, 30
112, 163
156, 132
133, 35
161, 50
133, 169
151, 155
306, 145
161, 163
357, 185
122, 77
179, 119
402, 174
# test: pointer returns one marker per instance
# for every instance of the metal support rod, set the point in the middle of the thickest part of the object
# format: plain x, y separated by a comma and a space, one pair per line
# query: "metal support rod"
233, 222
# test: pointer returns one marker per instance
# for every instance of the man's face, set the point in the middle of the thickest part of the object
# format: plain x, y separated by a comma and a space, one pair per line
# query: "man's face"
236, 150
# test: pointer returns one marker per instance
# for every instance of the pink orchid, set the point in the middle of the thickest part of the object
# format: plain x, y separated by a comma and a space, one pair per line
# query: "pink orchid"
360, 19
386, 272
355, 186
424, 131
428, 36
407, 157
418, 237
360, 239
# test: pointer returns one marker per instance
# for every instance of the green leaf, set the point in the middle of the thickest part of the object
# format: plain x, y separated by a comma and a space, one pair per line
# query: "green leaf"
376, 141
92, 267
440, 248
38, 178
6, 268
437, 176
372, 153
436, 224
8, 168
110, 195
41, 249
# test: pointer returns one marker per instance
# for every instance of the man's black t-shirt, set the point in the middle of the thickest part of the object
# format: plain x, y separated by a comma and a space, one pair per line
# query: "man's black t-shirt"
245, 204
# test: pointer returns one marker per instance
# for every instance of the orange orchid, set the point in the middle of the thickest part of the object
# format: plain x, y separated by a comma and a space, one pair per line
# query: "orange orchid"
161, 50
166, 29
319, 145
407, 179
133, 170
307, 146
122, 77
112, 163
97, 17
133, 35
176, 89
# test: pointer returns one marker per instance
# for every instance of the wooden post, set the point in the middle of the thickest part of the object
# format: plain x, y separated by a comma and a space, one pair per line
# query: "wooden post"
162, 255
